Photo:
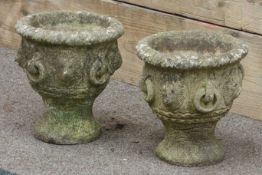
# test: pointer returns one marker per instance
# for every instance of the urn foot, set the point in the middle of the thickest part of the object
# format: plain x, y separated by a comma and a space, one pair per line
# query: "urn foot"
190, 145
74, 125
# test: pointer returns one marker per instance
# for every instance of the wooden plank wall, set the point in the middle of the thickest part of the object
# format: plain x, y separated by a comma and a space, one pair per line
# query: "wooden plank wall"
239, 14
140, 22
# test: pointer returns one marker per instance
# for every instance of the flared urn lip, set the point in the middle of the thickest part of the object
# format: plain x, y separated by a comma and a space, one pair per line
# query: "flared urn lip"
38, 27
190, 49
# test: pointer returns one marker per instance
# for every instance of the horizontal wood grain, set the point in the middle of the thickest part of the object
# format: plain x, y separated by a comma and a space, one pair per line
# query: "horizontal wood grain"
240, 14
138, 23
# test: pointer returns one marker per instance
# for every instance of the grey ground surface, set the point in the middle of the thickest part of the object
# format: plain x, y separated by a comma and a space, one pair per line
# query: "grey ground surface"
130, 133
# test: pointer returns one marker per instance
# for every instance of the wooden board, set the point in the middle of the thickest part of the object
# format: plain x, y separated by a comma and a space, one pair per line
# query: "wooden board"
240, 14
138, 23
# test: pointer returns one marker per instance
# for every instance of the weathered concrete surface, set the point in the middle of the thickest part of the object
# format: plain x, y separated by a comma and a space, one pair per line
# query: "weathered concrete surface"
130, 133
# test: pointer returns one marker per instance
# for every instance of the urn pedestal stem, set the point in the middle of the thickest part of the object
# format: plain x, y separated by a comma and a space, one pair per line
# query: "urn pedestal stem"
190, 145
67, 122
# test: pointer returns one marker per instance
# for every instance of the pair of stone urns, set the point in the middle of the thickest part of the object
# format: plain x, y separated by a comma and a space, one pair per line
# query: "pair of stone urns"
190, 79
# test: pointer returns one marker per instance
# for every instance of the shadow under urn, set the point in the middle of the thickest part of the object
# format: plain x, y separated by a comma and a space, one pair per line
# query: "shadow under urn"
68, 58
190, 80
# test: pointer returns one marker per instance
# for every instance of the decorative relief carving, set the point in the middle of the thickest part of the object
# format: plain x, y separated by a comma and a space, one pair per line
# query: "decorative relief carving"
206, 98
173, 94
232, 85
189, 118
147, 88
35, 70
99, 73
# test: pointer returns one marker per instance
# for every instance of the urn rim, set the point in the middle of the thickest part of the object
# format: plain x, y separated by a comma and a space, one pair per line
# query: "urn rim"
38, 27
191, 49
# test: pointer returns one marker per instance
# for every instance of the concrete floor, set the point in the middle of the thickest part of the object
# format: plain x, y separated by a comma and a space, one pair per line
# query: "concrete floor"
130, 133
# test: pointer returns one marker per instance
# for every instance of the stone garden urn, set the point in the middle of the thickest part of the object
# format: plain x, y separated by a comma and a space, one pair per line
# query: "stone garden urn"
190, 80
68, 58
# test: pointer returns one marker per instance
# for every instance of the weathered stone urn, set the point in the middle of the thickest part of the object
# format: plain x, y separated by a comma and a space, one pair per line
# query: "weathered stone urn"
190, 80
68, 58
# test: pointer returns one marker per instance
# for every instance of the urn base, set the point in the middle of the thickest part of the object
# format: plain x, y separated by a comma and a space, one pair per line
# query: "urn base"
67, 125
190, 145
